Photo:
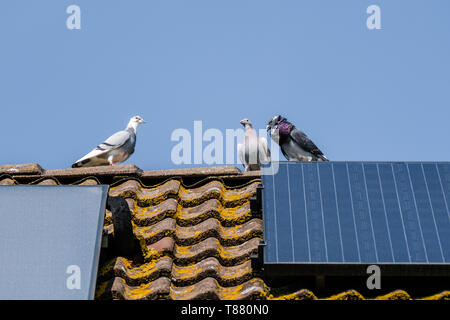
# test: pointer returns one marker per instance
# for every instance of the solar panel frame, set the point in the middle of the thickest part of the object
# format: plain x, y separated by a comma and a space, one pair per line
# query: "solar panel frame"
348, 215
48, 232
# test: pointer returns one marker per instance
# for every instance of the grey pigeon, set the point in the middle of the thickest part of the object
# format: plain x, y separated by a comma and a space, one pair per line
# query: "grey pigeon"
295, 145
117, 148
254, 150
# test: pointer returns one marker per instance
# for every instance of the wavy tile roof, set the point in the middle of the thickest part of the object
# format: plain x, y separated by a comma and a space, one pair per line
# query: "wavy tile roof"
195, 228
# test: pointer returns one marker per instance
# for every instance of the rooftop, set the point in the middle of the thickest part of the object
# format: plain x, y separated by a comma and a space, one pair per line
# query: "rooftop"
196, 234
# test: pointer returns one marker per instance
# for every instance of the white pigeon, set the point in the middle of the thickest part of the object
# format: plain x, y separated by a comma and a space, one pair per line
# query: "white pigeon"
254, 150
117, 148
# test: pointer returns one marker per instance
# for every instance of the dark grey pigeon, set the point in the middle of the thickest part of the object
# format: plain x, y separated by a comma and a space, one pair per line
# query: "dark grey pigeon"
117, 148
295, 145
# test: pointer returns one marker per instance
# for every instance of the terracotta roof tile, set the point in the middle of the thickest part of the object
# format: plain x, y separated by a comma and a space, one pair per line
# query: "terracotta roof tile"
21, 169
211, 247
209, 288
228, 236
144, 273
211, 267
208, 171
128, 170
212, 208
156, 232
149, 215
147, 291
5, 181
145, 196
198, 237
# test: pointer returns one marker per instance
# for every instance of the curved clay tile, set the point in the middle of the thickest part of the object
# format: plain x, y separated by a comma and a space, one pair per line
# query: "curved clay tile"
149, 291
211, 247
211, 267
212, 208
47, 182
137, 275
145, 196
156, 232
149, 215
211, 228
89, 182
209, 288
7, 182
216, 190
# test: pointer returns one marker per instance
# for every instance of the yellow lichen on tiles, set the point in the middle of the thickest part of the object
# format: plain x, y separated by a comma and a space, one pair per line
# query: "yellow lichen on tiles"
7, 182
151, 232
346, 295
108, 218
178, 293
241, 291
89, 182
101, 289
224, 253
230, 232
108, 228
232, 293
143, 271
139, 292
237, 272
183, 273
440, 296
299, 295
182, 250
126, 262
144, 196
107, 267
234, 215
395, 295
150, 253
235, 197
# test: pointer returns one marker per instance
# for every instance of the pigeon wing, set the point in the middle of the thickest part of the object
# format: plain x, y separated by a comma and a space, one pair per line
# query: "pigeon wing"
306, 143
241, 154
113, 142
264, 151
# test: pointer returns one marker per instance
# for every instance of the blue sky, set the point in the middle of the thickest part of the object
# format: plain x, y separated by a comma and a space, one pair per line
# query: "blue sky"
359, 94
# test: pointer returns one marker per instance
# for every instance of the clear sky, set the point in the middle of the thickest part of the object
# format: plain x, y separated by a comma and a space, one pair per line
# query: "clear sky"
359, 94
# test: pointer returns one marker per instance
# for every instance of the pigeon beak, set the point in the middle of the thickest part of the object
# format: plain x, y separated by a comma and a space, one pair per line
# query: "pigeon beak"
142, 121
267, 127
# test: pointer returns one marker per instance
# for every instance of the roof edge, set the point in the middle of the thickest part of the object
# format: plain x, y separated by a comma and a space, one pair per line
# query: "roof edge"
34, 170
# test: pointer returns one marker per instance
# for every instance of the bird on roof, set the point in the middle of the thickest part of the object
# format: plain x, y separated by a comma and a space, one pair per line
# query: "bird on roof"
117, 148
254, 150
294, 144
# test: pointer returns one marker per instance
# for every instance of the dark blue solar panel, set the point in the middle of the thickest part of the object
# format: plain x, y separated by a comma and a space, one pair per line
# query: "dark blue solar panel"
330, 213
50, 241
346, 217
357, 212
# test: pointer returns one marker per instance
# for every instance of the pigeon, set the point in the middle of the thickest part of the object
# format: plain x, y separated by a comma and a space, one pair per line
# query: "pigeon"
294, 144
117, 148
254, 150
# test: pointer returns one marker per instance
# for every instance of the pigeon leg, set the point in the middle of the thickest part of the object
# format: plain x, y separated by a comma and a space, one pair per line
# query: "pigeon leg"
110, 160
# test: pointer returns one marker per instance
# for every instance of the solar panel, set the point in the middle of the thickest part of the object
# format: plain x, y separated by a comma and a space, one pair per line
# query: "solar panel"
343, 214
50, 241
